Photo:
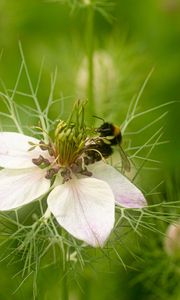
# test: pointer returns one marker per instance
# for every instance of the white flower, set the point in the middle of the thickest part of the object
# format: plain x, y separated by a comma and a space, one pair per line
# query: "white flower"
84, 206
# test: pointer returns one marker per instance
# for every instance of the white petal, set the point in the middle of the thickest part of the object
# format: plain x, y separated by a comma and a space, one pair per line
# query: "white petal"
19, 187
14, 152
85, 208
126, 194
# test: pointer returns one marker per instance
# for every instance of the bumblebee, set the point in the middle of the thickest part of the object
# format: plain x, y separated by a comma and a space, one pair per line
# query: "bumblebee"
102, 147
111, 132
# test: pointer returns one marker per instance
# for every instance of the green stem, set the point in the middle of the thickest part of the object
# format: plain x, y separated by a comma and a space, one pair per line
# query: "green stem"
90, 54
65, 294
64, 282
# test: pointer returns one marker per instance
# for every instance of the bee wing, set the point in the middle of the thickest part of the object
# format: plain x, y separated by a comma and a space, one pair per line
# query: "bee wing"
126, 165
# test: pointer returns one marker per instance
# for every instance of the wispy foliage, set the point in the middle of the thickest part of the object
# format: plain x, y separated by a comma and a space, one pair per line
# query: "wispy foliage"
34, 242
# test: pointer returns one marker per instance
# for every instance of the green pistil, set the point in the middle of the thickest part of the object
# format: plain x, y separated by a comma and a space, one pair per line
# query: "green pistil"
70, 136
69, 142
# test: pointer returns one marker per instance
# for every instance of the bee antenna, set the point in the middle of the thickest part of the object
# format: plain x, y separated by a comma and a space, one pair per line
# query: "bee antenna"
99, 118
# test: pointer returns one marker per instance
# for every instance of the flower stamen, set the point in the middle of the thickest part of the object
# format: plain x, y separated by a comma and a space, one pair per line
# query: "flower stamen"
41, 162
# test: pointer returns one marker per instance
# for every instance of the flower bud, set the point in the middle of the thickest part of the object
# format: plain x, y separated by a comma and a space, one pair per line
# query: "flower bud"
172, 240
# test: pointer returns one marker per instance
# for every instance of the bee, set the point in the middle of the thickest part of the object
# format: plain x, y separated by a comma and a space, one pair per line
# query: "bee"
110, 135
111, 132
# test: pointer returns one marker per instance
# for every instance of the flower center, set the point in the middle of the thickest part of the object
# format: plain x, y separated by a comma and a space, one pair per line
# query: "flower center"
67, 153
69, 143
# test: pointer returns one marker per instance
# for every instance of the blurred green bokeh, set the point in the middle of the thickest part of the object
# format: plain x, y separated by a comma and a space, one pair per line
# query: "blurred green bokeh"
139, 36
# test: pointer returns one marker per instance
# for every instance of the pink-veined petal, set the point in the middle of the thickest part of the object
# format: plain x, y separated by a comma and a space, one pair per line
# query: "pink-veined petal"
14, 152
126, 193
85, 208
19, 187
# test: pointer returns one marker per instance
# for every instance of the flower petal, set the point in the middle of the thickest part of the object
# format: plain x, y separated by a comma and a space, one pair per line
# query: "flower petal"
19, 187
85, 208
14, 152
126, 194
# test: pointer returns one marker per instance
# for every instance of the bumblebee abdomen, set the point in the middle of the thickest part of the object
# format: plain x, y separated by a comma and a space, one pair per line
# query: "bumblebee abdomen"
117, 135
